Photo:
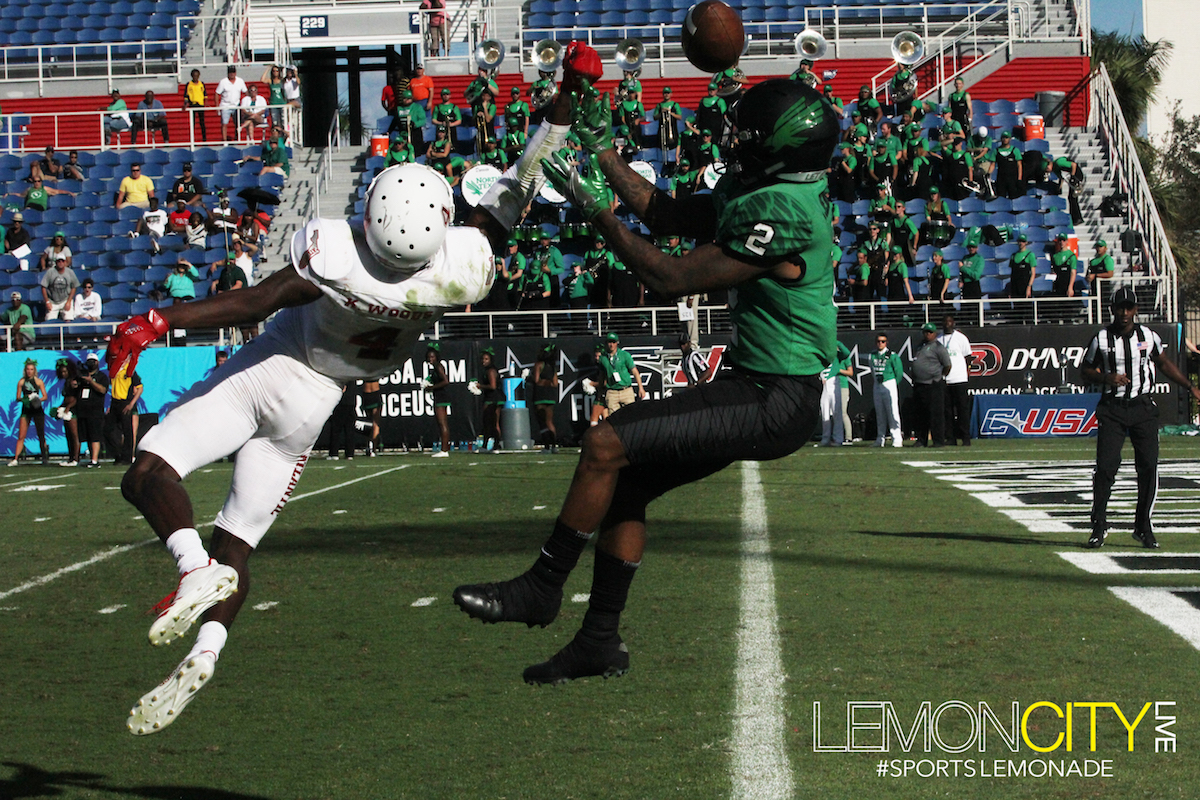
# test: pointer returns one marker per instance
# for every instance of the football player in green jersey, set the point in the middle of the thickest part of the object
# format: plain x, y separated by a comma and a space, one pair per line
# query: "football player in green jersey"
765, 235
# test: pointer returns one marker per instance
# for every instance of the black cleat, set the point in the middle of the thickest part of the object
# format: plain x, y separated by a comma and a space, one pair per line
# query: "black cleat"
582, 658
1097, 539
521, 599
1147, 539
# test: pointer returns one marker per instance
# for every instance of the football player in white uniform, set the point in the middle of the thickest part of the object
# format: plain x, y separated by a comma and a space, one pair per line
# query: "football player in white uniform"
353, 303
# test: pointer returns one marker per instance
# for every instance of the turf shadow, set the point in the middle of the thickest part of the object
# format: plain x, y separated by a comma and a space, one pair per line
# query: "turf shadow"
983, 538
32, 781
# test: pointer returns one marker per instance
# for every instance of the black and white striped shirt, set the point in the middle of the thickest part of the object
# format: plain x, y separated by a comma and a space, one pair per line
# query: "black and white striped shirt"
1131, 355
695, 365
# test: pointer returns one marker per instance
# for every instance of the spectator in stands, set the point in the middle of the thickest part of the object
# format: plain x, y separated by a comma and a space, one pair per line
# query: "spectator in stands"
86, 307
273, 77
178, 219
180, 285
437, 155
1022, 270
197, 231
1064, 264
869, 107
970, 273
710, 114
135, 189
445, 114
399, 152
274, 155
222, 218
291, 89
37, 196
89, 409
117, 121
409, 119
194, 97
390, 95
904, 234
858, 277
46, 168
939, 277
956, 170
151, 117
67, 371
19, 319
187, 187
58, 290
73, 170
229, 98
253, 114
1099, 268
938, 229
516, 113
153, 224
1008, 168
421, 86
56, 248
960, 105
231, 277
17, 235
246, 235
898, 286
434, 12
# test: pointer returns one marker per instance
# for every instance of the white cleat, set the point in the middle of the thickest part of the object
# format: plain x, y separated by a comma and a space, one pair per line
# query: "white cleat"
441, 454
160, 707
198, 591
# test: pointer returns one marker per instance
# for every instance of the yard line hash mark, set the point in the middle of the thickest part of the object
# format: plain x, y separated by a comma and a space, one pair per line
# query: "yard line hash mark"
104, 555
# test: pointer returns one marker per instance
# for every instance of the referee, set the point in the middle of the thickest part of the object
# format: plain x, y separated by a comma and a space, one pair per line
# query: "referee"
1122, 358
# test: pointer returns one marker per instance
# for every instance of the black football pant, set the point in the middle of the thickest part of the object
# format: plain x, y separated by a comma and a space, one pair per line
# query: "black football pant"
1137, 419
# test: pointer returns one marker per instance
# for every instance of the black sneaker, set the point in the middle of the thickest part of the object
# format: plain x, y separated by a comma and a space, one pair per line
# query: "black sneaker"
1147, 539
1097, 539
522, 599
582, 658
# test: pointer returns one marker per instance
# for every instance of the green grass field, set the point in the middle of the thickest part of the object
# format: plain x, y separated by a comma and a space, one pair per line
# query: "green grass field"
890, 585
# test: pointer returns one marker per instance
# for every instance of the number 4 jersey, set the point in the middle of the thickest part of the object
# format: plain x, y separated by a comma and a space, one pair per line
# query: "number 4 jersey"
370, 317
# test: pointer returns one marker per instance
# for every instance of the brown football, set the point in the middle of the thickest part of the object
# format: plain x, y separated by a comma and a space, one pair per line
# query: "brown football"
712, 36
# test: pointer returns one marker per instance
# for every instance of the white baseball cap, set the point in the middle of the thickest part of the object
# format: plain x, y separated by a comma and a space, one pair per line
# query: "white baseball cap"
92, 357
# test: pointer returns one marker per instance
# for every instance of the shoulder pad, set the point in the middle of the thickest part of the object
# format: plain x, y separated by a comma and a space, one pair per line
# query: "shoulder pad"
323, 247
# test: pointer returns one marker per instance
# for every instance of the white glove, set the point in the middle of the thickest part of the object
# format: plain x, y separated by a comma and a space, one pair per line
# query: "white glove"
134, 234
525, 373
589, 387
473, 388
426, 383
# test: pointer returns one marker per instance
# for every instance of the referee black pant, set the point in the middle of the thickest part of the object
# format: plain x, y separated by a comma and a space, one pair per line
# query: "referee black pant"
1137, 419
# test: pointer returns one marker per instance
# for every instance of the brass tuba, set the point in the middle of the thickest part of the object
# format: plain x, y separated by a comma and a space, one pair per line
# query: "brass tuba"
488, 55
629, 57
907, 49
810, 46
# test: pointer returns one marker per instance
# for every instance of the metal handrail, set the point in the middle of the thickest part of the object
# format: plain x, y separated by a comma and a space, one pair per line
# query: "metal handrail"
1108, 119
16, 60
99, 141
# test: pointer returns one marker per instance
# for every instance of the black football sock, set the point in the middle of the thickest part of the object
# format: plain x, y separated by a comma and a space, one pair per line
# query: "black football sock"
610, 590
559, 555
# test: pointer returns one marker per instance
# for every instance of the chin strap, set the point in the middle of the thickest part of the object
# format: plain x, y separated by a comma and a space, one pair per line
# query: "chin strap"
509, 195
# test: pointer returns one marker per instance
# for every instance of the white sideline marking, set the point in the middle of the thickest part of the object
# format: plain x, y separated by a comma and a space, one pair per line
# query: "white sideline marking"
34, 480
581, 597
39, 487
760, 763
420, 602
42, 519
538, 508
266, 606
1164, 605
104, 555
10, 608
339, 511
438, 510
111, 609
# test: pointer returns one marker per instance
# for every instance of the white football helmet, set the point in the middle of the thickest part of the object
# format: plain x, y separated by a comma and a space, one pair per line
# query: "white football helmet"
406, 215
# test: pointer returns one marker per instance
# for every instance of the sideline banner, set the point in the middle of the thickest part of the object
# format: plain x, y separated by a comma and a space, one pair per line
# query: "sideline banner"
1025, 416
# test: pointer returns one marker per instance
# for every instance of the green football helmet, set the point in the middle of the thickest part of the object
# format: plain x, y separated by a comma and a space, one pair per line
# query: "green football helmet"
784, 126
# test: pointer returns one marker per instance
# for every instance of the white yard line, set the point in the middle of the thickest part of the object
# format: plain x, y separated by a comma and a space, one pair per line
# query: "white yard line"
760, 764
104, 555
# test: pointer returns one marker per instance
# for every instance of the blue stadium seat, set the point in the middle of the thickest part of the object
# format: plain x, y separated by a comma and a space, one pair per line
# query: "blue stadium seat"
138, 307
1040, 145
953, 252
98, 229
1052, 202
1026, 106
587, 19
998, 204
117, 309
970, 204
974, 219
662, 16
106, 214
32, 216
1038, 234
1030, 217
55, 216
1003, 218
123, 291
538, 21
1025, 204
92, 244
1057, 219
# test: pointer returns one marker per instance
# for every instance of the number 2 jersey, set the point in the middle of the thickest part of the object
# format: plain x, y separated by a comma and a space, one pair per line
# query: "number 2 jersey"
369, 317
780, 327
